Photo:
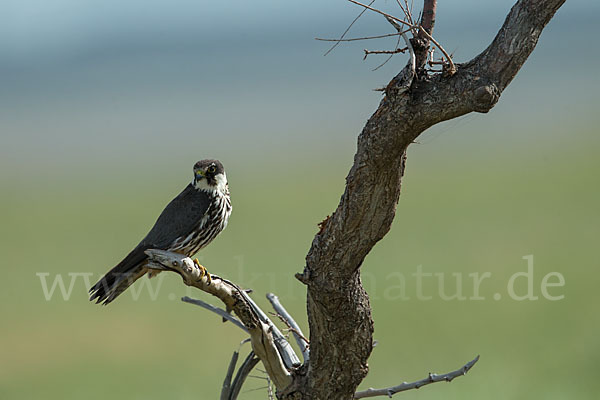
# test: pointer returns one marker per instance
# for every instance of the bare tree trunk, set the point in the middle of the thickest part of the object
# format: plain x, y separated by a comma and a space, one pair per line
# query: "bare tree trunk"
339, 313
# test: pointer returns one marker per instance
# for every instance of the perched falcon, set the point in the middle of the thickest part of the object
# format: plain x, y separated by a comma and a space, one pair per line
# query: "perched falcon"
188, 223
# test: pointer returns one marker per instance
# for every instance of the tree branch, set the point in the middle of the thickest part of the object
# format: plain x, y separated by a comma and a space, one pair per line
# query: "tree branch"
358, 38
428, 17
245, 369
290, 359
296, 331
431, 378
216, 310
427, 24
348, 29
226, 388
269, 349
403, 81
451, 68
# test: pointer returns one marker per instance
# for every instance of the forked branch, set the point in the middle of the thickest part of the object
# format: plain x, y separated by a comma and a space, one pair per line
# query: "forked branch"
422, 31
279, 360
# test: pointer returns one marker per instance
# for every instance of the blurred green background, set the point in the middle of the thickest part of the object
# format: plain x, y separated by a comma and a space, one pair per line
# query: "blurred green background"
104, 108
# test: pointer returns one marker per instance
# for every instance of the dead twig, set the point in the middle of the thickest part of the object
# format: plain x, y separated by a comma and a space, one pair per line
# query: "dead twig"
451, 67
367, 52
431, 378
286, 317
391, 55
216, 310
348, 29
245, 369
359, 38
368, 7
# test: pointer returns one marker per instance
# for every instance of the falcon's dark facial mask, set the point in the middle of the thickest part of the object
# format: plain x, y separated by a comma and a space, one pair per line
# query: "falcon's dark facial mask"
209, 175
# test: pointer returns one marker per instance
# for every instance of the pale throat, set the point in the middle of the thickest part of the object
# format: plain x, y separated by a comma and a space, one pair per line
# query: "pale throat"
221, 185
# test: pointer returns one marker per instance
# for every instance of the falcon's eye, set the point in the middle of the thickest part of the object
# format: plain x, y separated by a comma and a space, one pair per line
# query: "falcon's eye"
212, 169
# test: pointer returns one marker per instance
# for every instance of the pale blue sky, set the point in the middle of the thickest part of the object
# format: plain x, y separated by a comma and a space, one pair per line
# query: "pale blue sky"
124, 80
58, 28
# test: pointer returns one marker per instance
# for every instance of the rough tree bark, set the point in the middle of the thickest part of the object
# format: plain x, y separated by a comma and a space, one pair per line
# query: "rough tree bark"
339, 313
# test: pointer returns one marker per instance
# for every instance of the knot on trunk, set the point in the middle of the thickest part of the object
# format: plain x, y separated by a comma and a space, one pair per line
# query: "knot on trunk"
485, 98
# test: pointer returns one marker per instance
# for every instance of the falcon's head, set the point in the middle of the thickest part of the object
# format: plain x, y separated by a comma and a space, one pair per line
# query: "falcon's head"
210, 175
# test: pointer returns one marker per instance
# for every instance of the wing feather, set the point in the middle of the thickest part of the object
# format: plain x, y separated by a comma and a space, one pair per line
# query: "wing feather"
178, 219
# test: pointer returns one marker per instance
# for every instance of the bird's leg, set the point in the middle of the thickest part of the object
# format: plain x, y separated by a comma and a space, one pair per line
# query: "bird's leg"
203, 271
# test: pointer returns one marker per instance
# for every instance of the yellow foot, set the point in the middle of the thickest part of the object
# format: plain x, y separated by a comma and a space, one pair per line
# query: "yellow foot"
203, 271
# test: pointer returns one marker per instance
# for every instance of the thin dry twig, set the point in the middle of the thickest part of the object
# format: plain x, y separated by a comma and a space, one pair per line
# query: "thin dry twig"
403, 80
359, 38
451, 68
270, 389
283, 314
348, 29
367, 52
230, 390
405, 11
255, 389
397, 50
400, 33
431, 378
291, 329
245, 369
216, 310
386, 60
368, 7
226, 388
409, 11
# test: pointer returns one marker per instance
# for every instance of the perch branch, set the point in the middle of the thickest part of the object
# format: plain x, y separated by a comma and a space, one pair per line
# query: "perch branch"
431, 378
216, 310
258, 324
296, 331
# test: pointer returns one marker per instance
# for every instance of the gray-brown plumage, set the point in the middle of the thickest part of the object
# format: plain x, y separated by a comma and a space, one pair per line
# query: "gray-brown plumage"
188, 223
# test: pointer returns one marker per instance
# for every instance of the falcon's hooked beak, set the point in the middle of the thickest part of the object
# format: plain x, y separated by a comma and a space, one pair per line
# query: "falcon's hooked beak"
199, 174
